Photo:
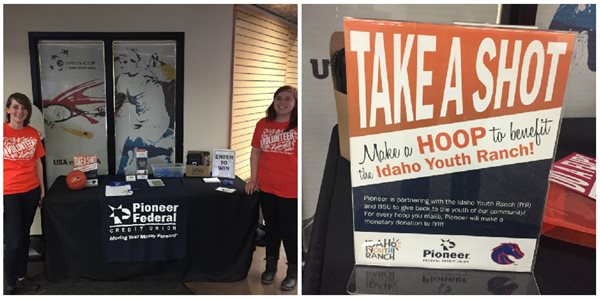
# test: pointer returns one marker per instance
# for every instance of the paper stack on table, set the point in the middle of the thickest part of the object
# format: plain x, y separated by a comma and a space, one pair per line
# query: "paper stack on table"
124, 190
212, 180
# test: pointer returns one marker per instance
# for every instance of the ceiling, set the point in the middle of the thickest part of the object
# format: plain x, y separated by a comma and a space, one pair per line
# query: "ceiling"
285, 11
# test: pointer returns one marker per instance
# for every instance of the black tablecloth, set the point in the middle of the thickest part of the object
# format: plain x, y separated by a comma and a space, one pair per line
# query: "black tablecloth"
149, 225
220, 235
560, 268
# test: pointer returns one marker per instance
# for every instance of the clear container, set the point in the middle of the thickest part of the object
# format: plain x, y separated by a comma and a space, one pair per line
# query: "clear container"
168, 170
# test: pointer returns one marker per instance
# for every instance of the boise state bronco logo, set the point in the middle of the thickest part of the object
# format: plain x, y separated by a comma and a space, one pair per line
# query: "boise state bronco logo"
501, 253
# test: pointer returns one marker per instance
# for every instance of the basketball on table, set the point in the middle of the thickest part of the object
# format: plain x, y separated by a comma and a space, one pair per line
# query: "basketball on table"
76, 180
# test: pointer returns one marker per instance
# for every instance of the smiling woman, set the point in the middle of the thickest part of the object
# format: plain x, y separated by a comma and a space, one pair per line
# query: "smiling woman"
273, 167
23, 190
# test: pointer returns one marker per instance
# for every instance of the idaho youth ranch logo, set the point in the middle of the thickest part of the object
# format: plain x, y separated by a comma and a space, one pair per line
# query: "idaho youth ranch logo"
142, 221
382, 250
501, 253
446, 255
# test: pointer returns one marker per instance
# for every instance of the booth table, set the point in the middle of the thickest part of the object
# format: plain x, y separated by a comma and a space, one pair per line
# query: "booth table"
221, 234
219, 237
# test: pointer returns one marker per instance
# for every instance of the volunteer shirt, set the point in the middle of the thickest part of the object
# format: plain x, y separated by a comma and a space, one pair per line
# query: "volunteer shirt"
278, 165
21, 149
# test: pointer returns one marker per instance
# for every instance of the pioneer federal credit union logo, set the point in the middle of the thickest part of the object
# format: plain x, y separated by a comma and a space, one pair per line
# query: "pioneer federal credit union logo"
143, 221
446, 253
382, 250
119, 214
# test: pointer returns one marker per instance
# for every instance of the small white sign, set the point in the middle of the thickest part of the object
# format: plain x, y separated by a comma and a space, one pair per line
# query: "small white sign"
223, 163
141, 161
212, 180
226, 190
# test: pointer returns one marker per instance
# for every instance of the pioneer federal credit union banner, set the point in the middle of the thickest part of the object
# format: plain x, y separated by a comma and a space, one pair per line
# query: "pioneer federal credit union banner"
143, 228
452, 135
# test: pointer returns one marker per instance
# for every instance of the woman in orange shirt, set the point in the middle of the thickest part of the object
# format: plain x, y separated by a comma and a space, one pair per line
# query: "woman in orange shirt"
23, 191
274, 171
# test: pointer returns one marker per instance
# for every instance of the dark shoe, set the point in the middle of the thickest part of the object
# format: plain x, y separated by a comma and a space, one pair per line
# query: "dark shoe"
10, 290
289, 283
271, 268
26, 285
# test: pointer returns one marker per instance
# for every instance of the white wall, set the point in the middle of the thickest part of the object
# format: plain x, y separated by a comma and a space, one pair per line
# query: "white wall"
318, 103
207, 66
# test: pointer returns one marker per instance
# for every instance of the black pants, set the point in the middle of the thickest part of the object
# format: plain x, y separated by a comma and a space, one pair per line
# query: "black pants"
281, 221
19, 210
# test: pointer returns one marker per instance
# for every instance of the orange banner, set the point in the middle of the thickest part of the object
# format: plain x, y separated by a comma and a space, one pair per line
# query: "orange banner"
404, 75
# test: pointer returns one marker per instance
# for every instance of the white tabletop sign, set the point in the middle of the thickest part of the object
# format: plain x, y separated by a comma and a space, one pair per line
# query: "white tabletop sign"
223, 163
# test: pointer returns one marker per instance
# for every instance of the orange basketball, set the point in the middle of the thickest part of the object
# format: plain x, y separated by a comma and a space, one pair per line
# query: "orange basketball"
76, 180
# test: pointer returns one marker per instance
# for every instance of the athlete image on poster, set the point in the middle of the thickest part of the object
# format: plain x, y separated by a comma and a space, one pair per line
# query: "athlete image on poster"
144, 102
452, 135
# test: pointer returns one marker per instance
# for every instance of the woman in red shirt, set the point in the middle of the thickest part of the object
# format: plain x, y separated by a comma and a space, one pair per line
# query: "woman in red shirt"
274, 165
23, 191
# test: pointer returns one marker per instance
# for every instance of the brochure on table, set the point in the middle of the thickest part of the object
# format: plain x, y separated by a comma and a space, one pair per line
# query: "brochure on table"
89, 166
452, 134
576, 172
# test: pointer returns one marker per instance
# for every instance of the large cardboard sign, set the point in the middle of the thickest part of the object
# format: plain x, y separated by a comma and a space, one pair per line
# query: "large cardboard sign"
452, 134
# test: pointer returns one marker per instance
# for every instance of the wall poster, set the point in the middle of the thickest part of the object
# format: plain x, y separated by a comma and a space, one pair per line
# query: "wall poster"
144, 101
73, 103
452, 135
579, 18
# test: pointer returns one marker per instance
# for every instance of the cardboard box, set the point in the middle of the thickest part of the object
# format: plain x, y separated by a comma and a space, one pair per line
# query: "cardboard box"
197, 171
198, 164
